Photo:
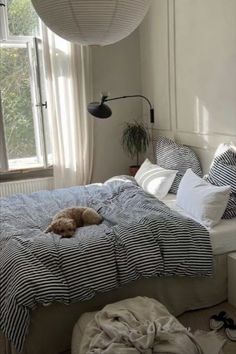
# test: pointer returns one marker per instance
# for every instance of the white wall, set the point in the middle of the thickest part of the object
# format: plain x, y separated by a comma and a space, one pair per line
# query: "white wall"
116, 68
188, 62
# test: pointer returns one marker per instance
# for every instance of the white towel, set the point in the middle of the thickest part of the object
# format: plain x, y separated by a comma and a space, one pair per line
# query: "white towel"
134, 326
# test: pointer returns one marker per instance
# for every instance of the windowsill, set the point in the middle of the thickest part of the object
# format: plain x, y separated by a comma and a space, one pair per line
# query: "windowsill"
16, 175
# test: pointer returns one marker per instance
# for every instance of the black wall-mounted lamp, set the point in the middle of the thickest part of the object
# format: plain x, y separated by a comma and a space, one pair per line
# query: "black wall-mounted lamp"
103, 111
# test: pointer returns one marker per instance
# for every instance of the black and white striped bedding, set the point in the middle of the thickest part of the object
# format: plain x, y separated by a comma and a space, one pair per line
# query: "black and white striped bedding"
175, 156
222, 173
140, 237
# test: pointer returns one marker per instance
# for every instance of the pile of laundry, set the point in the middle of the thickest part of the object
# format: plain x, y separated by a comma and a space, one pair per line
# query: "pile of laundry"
139, 325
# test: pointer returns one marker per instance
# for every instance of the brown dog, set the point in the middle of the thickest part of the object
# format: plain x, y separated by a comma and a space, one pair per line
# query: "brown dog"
66, 221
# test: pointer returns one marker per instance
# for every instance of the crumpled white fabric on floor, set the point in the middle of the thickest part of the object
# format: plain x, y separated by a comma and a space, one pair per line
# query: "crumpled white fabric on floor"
138, 325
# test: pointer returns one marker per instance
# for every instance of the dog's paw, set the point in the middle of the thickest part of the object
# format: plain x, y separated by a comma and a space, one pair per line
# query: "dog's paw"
48, 229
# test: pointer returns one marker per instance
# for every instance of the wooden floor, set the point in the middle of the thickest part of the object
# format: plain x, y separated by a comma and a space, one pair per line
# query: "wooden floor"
200, 320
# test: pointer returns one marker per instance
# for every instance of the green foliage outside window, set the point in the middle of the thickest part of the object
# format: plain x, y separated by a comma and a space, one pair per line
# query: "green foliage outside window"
16, 102
22, 18
15, 83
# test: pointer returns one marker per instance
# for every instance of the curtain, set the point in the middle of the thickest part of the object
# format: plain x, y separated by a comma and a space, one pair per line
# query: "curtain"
69, 89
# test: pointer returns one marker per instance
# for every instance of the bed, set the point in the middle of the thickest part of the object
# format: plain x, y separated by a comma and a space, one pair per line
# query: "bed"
52, 319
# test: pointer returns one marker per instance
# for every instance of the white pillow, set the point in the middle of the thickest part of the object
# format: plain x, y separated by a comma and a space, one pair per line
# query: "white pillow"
154, 179
201, 200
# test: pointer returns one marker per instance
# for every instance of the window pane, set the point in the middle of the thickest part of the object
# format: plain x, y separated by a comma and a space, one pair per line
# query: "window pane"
22, 18
17, 107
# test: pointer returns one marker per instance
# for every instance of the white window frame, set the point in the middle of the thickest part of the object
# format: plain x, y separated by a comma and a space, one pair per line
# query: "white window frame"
3, 22
38, 108
4, 28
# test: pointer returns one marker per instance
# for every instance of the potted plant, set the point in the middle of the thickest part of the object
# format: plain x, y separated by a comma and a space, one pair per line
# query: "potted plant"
135, 140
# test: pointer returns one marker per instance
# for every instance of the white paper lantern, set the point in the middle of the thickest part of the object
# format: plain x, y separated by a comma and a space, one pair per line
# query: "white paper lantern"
98, 22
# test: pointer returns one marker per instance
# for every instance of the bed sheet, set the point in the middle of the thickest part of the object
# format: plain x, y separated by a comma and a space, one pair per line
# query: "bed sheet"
223, 235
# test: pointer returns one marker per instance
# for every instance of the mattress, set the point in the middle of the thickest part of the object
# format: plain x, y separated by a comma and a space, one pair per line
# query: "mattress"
223, 235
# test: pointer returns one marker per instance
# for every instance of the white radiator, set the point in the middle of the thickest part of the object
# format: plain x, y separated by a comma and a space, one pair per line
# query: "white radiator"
26, 186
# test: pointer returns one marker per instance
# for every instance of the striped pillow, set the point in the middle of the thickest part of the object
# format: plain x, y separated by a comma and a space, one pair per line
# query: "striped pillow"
223, 172
174, 156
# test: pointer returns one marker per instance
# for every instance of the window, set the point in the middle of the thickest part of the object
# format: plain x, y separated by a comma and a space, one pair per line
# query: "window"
24, 138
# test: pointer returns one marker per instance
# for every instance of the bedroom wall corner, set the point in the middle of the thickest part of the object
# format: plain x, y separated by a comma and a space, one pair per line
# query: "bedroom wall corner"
188, 57
116, 69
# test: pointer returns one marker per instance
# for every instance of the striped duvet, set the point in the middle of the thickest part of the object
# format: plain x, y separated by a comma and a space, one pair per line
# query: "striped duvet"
140, 237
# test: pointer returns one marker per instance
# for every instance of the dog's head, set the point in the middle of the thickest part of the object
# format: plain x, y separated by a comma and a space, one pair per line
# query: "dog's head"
64, 226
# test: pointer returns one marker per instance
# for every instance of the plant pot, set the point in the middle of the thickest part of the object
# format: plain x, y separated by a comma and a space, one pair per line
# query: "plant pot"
133, 170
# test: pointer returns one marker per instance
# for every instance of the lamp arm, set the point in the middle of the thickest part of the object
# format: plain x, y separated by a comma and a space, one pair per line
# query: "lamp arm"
129, 96
106, 99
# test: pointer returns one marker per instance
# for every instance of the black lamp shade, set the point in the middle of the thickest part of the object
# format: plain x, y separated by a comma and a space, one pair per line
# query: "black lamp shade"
99, 110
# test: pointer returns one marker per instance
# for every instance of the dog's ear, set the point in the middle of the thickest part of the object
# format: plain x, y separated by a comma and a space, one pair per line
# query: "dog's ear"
48, 229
